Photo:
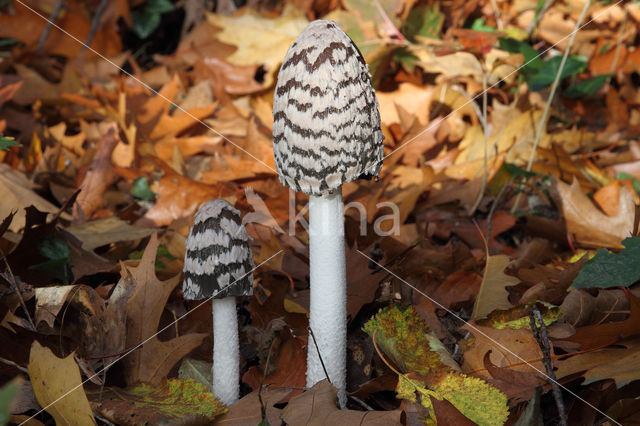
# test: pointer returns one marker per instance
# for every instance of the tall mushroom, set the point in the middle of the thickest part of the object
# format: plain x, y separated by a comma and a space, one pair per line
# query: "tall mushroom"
218, 264
326, 131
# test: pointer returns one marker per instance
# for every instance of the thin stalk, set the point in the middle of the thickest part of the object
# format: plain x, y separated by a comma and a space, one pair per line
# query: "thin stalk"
554, 87
328, 292
486, 141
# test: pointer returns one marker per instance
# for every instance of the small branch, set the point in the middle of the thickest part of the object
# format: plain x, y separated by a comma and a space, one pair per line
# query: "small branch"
540, 333
313, 337
263, 408
95, 23
13, 364
45, 34
14, 283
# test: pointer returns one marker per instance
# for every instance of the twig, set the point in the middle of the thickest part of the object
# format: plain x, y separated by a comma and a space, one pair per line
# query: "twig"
95, 23
45, 34
263, 408
13, 364
540, 332
313, 337
554, 86
486, 141
12, 280
361, 403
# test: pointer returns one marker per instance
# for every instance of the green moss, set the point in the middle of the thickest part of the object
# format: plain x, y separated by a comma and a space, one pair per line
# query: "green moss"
475, 398
518, 317
427, 371
402, 335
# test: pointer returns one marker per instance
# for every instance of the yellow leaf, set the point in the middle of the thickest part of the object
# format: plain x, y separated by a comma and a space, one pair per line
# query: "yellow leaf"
56, 383
261, 40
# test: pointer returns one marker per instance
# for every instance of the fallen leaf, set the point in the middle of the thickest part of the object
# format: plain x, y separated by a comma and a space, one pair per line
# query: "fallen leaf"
317, 406
607, 198
514, 347
493, 294
57, 385
99, 176
591, 227
290, 362
262, 41
101, 232
593, 336
247, 411
171, 401
16, 193
622, 364
517, 385
152, 361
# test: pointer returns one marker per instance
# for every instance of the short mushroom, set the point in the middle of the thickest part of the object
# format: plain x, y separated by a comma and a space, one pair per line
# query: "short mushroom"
326, 131
218, 264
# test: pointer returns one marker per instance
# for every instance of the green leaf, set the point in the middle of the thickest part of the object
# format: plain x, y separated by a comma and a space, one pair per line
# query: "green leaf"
144, 23
158, 6
405, 58
587, 87
634, 181
57, 251
7, 393
478, 25
54, 248
607, 269
532, 61
425, 21
550, 68
141, 190
7, 142
147, 19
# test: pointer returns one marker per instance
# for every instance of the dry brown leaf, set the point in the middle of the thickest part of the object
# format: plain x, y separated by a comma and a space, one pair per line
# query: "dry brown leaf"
517, 342
57, 385
153, 360
247, 410
493, 293
608, 197
16, 193
619, 364
100, 174
178, 197
317, 406
590, 226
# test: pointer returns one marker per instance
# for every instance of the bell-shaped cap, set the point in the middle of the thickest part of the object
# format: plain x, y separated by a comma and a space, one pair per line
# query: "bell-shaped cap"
326, 124
218, 261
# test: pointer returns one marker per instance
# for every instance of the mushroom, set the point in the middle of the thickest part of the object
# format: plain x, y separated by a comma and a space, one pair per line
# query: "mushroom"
326, 131
218, 264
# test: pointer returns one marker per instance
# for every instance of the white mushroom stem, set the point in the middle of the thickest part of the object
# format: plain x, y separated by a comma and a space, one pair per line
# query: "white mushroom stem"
226, 358
328, 298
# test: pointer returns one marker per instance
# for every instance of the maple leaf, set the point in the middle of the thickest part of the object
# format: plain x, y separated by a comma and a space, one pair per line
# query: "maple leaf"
153, 360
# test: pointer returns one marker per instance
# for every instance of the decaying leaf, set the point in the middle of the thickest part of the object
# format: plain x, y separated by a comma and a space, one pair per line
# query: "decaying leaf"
153, 360
171, 401
428, 370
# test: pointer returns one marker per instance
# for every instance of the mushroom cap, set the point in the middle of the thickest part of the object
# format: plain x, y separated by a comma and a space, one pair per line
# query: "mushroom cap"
326, 124
218, 261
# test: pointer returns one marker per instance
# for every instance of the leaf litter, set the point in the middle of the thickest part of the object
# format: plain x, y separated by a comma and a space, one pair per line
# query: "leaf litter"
143, 166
